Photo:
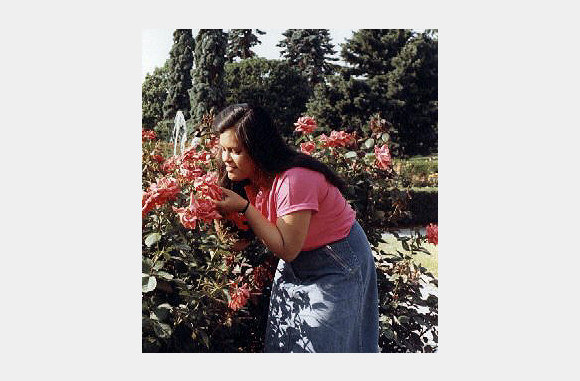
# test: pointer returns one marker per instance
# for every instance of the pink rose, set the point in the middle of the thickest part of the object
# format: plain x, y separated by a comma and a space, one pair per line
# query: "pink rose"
305, 124
239, 297
205, 210
163, 190
433, 234
308, 147
383, 157
187, 217
336, 139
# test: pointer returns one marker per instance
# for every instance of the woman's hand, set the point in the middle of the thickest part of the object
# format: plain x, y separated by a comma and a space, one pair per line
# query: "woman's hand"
231, 202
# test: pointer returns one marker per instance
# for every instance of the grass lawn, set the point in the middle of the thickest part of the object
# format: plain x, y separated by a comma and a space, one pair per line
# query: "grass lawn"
425, 260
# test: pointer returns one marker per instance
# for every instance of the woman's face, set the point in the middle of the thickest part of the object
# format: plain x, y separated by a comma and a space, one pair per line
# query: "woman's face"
239, 165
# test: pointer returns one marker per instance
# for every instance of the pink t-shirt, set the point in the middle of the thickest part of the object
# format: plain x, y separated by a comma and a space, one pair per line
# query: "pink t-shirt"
304, 189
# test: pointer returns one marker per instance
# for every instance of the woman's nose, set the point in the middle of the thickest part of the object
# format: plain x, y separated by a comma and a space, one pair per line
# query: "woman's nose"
226, 156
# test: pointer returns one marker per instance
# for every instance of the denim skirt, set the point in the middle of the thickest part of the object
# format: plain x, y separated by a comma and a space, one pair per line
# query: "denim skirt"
326, 300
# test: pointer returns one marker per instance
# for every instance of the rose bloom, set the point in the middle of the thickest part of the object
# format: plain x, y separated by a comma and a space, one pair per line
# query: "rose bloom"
305, 124
187, 217
147, 135
208, 186
170, 164
433, 234
240, 220
336, 139
308, 147
240, 296
261, 276
383, 157
158, 158
165, 189
205, 210
192, 155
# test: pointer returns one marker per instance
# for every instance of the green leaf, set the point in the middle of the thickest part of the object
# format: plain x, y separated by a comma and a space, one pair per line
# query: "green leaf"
369, 143
162, 330
148, 283
389, 334
205, 338
158, 265
385, 137
164, 275
162, 311
369, 158
350, 155
152, 238
403, 320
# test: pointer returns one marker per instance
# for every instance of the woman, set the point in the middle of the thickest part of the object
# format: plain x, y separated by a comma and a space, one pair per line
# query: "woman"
324, 295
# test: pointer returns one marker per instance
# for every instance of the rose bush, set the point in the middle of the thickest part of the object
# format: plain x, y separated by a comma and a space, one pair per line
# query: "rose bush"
200, 293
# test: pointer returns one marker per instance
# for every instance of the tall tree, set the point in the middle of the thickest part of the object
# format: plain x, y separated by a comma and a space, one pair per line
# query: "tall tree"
240, 43
311, 51
369, 51
153, 95
413, 92
179, 77
208, 91
274, 84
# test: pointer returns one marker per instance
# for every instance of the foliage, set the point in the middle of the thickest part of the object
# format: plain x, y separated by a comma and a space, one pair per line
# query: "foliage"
369, 52
275, 85
202, 295
408, 315
208, 92
418, 171
179, 74
240, 42
412, 92
423, 206
389, 72
310, 50
153, 95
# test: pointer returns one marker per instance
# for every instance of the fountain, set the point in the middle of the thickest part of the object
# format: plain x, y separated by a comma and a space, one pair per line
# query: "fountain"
179, 136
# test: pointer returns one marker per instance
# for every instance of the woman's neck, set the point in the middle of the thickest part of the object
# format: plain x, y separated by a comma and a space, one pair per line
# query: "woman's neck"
261, 181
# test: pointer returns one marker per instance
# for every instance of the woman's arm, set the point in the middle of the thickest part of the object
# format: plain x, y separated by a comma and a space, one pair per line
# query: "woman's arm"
285, 239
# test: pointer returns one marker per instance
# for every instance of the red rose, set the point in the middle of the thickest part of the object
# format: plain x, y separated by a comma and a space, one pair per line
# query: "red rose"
240, 221
305, 124
170, 164
308, 147
187, 217
433, 234
147, 135
165, 189
208, 186
383, 157
239, 297
205, 209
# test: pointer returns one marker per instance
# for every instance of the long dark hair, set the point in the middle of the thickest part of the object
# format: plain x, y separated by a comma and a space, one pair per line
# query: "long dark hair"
271, 154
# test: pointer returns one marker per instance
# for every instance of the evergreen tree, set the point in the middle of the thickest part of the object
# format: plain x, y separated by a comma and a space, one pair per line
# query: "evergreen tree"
240, 43
412, 91
208, 91
153, 95
310, 51
274, 84
342, 103
179, 76
369, 51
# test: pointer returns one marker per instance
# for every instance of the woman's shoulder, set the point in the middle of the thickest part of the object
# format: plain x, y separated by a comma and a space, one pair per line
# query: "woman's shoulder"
301, 173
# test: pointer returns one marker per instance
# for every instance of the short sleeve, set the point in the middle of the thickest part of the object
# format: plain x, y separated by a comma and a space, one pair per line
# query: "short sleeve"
298, 189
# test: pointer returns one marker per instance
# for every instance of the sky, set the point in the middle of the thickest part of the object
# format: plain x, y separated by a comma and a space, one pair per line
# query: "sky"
157, 43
